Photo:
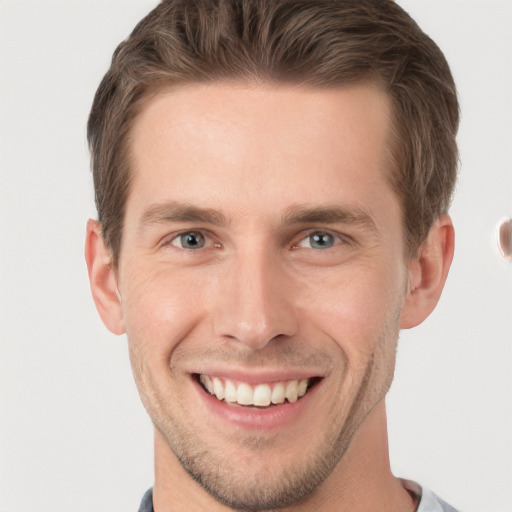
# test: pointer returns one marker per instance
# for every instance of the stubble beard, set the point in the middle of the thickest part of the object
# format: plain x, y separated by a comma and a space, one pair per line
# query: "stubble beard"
266, 490
270, 489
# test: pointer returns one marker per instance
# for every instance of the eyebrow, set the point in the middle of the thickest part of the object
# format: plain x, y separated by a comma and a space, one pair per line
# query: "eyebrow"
330, 214
173, 211
162, 213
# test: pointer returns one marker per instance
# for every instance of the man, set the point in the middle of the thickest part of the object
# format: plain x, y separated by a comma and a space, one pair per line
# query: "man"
272, 181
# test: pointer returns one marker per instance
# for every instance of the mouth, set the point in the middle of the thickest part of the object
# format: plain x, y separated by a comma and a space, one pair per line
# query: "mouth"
262, 395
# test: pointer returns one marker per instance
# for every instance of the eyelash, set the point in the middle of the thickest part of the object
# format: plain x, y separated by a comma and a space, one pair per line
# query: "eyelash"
337, 239
168, 241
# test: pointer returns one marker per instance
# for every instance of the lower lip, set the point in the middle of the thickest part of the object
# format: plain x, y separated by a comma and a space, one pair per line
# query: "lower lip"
253, 418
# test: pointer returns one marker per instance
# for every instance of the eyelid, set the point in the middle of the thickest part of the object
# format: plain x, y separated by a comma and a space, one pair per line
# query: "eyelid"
338, 237
167, 240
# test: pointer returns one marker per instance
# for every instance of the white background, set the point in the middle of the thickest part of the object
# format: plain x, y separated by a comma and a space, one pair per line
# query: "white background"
74, 437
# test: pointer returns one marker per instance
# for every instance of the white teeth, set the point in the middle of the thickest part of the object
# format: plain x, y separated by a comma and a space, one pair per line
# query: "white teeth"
218, 388
244, 394
303, 387
230, 392
278, 394
292, 391
207, 383
261, 395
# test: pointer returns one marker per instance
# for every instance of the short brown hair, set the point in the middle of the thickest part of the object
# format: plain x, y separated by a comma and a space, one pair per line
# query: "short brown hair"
319, 43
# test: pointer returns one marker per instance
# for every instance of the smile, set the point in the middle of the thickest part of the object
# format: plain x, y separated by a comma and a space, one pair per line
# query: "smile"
260, 395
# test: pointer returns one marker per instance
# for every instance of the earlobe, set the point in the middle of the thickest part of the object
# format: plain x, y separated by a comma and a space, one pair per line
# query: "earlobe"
102, 279
428, 272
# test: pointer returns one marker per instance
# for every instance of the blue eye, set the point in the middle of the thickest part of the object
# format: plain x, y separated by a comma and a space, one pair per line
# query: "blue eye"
190, 240
321, 240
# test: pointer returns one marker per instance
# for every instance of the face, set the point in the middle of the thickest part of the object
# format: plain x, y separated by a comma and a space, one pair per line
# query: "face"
261, 278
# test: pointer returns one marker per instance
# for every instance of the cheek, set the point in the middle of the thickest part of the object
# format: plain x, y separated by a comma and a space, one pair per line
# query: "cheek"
356, 308
160, 308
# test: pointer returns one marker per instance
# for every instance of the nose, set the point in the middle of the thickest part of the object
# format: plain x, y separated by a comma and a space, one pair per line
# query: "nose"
255, 302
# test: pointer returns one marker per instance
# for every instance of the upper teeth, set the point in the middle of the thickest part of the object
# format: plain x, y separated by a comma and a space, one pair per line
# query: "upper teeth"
261, 395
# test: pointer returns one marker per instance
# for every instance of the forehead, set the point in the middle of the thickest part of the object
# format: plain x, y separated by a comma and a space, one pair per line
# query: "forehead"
216, 143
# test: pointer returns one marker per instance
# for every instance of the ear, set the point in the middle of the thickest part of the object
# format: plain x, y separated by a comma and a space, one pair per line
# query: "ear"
428, 272
102, 279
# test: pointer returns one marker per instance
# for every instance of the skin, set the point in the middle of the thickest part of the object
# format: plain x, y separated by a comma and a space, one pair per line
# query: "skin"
253, 171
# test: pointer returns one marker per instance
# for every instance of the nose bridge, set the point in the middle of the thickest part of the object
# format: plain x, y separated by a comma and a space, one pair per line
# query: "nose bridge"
255, 306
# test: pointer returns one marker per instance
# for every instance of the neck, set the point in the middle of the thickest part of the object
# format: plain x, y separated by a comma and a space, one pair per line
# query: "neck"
361, 481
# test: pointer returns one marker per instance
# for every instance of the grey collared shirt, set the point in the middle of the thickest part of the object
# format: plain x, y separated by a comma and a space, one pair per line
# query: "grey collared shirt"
146, 505
429, 502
